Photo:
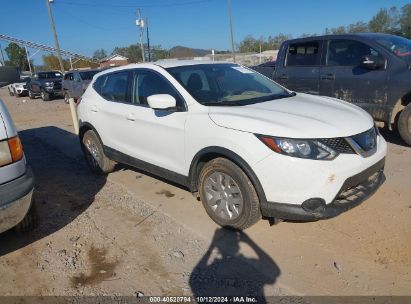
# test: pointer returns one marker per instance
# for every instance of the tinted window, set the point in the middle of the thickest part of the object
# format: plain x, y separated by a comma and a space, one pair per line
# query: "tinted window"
114, 86
68, 76
88, 75
147, 83
49, 75
303, 54
347, 52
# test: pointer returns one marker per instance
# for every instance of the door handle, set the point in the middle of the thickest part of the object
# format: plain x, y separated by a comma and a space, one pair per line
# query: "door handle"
329, 76
130, 117
94, 109
283, 76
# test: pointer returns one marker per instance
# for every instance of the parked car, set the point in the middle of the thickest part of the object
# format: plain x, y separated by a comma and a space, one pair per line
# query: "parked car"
369, 70
19, 88
247, 147
16, 179
46, 85
266, 68
76, 82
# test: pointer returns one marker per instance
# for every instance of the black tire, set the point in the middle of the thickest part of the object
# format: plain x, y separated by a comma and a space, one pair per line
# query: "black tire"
30, 220
45, 96
11, 93
404, 124
98, 163
31, 95
66, 97
250, 212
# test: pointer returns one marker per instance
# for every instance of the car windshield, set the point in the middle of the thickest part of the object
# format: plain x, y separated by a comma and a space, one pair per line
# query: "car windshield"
399, 46
88, 75
49, 75
226, 84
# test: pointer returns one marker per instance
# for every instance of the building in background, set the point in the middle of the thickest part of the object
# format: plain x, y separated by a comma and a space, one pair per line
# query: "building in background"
113, 60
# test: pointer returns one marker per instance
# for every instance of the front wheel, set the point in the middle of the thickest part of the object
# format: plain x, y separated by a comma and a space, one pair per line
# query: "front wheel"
93, 151
228, 195
31, 95
30, 220
45, 96
404, 124
66, 97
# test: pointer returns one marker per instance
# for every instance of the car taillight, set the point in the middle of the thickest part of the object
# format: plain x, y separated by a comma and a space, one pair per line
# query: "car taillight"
11, 151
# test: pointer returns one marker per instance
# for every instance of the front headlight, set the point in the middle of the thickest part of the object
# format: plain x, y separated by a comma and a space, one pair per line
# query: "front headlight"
48, 84
301, 148
18, 86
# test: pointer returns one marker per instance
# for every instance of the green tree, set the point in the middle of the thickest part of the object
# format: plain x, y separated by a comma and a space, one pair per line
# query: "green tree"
132, 52
386, 21
405, 21
358, 27
274, 42
100, 54
17, 56
51, 62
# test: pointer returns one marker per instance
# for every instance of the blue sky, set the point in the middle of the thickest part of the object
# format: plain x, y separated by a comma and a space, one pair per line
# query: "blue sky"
86, 25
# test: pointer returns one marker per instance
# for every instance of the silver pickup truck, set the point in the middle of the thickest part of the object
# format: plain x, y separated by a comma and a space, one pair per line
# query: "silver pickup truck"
16, 178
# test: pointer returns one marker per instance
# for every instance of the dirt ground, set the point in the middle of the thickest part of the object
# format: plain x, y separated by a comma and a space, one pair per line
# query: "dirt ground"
133, 234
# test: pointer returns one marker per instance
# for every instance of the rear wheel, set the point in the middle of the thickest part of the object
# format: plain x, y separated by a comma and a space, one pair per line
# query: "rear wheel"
93, 151
228, 195
404, 124
45, 96
31, 95
66, 97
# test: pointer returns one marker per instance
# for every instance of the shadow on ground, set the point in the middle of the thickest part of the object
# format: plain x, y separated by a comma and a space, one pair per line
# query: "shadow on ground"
393, 137
64, 186
224, 271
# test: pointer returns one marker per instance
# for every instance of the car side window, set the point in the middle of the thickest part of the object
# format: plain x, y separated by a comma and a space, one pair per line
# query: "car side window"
114, 87
76, 77
147, 83
303, 54
343, 52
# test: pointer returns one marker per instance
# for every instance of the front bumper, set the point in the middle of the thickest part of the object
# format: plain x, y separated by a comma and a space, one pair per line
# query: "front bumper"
15, 200
354, 191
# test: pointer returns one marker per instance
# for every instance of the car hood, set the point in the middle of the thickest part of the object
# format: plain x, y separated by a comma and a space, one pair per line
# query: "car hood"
300, 116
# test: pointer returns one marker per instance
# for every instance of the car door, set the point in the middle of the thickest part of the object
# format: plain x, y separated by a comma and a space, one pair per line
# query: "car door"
77, 87
299, 69
155, 136
34, 83
343, 76
67, 82
108, 111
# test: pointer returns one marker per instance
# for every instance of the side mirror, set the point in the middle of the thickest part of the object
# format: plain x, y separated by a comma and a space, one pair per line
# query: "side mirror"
161, 101
372, 62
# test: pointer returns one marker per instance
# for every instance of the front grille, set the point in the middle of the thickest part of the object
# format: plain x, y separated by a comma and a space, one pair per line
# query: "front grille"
338, 144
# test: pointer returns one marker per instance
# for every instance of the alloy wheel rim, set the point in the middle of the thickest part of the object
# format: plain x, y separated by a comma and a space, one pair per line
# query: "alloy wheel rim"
93, 154
223, 196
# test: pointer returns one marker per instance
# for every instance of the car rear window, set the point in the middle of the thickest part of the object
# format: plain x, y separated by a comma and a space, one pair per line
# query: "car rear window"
303, 54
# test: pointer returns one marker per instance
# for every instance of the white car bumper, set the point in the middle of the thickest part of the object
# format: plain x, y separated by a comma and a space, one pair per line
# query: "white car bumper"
289, 182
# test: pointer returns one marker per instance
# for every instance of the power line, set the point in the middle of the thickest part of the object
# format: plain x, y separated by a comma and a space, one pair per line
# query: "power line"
62, 2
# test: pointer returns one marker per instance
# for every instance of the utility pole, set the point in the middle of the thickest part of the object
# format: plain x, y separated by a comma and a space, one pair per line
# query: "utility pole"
2, 56
140, 24
231, 28
28, 60
55, 34
148, 41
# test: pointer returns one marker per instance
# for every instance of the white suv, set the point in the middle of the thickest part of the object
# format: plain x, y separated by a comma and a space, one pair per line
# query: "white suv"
246, 146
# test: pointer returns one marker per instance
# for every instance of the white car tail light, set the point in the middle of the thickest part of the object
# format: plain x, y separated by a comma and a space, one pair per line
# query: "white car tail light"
11, 151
